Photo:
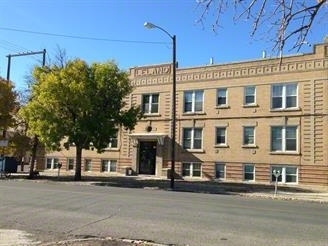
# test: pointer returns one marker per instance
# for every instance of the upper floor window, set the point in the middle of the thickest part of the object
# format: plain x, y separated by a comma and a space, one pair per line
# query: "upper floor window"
150, 103
220, 136
192, 138
193, 101
248, 135
284, 138
249, 95
284, 96
113, 140
222, 99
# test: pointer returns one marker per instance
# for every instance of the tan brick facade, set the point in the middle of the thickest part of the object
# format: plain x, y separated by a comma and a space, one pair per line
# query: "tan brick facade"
235, 141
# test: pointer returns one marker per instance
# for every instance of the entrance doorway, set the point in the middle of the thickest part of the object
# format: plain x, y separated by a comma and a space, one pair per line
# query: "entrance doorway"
147, 157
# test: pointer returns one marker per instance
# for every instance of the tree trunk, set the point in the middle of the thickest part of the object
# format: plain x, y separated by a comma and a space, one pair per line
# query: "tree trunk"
78, 163
34, 149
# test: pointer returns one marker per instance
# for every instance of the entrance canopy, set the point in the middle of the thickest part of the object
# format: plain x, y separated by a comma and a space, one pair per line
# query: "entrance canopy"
148, 136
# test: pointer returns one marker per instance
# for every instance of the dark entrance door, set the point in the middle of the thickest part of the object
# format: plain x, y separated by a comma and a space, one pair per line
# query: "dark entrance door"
147, 157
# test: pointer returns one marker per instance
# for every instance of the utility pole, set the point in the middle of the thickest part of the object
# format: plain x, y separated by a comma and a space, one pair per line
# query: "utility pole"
24, 54
35, 139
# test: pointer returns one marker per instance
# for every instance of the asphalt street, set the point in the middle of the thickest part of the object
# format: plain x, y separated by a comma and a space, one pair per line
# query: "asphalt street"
54, 211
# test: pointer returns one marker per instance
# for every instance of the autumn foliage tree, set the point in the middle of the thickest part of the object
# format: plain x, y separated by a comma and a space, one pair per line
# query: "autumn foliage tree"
80, 103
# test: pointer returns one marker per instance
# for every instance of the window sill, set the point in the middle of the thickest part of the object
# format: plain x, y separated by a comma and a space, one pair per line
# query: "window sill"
249, 146
112, 149
284, 109
152, 115
252, 105
284, 153
193, 113
195, 150
222, 107
221, 146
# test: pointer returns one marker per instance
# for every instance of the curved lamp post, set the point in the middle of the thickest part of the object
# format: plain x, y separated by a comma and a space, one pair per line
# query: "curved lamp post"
151, 26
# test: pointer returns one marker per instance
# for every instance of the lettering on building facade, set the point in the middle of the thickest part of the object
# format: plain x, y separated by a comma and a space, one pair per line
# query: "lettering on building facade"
157, 70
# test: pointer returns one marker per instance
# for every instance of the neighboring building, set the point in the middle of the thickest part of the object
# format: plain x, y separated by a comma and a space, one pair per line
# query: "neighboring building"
236, 122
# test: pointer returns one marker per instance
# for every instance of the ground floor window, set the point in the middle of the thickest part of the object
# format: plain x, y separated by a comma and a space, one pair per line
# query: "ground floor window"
249, 172
288, 174
108, 165
220, 169
191, 169
52, 163
87, 165
70, 164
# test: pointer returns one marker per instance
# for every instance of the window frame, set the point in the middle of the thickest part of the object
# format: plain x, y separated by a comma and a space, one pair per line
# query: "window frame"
110, 163
193, 101
284, 139
192, 138
113, 139
284, 96
245, 137
53, 163
87, 165
248, 173
220, 164
150, 103
225, 136
192, 170
69, 164
246, 94
225, 104
283, 178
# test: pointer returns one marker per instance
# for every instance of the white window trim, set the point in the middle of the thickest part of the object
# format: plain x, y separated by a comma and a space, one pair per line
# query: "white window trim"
150, 103
225, 144
52, 163
109, 164
283, 147
192, 170
254, 133
226, 105
193, 102
283, 174
254, 171
193, 138
253, 103
225, 170
284, 97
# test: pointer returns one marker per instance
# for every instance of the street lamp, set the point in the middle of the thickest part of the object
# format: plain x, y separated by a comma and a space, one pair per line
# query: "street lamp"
150, 26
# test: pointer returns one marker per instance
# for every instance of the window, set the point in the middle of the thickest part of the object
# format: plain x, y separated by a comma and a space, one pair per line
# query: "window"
52, 163
113, 140
220, 136
70, 165
284, 96
288, 174
192, 138
249, 95
150, 103
248, 135
222, 97
108, 165
191, 169
283, 138
193, 101
249, 172
220, 171
87, 165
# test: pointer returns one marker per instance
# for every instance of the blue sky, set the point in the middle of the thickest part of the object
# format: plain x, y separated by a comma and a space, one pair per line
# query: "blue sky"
119, 23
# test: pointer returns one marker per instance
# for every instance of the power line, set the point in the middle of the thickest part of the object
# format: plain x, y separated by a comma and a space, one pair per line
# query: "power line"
80, 37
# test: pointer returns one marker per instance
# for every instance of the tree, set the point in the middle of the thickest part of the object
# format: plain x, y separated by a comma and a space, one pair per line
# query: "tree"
288, 20
79, 103
8, 104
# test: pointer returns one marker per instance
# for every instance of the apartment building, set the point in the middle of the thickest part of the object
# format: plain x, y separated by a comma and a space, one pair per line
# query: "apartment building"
240, 121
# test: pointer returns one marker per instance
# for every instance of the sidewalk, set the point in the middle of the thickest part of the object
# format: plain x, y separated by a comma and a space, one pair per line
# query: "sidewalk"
284, 192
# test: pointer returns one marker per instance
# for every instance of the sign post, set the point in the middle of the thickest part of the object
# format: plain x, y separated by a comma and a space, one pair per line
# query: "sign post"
276, 173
